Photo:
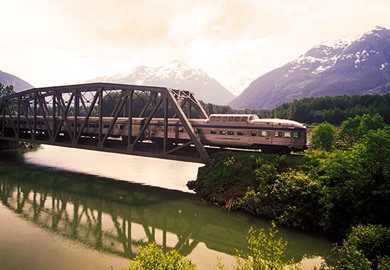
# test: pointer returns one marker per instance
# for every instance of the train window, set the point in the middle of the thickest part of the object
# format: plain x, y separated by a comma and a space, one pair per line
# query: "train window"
106, 126
278, 134
253, 133
230, 118
296, 135
213, 132
222, 132
237, 119
218, 118
264, 133
224, 118
230, 132
243, 118
121, 127
239, 133
212, 118
287, 134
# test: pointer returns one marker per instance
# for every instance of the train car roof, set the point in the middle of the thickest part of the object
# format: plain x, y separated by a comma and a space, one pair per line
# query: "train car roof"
242, 117
221, 114
283, 122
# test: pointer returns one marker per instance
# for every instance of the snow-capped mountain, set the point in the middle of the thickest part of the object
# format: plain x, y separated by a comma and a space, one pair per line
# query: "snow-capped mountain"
358, 66
7, 79
237, 87
176, 75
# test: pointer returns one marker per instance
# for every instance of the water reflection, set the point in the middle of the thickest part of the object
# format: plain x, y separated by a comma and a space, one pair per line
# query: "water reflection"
119, 217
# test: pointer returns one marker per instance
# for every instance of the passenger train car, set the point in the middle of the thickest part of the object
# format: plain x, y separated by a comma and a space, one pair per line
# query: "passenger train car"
241, 131
220, 130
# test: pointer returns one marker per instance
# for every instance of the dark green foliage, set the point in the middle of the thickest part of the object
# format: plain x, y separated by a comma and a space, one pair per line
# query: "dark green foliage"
6, 91
223, 109
279, 187
228, 177
334, 109
357, 184
290, 196
353, 129
365, 247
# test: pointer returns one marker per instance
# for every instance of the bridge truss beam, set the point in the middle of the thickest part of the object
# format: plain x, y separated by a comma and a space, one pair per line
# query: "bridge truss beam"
103, 116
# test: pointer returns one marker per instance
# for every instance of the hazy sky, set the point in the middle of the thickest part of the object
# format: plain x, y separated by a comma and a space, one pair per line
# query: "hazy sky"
48, 42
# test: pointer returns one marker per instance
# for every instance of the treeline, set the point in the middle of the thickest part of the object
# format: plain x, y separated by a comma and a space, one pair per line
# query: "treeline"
334, 110
224, 109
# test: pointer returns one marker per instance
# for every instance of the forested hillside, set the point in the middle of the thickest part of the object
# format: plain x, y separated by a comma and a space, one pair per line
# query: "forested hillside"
334, 109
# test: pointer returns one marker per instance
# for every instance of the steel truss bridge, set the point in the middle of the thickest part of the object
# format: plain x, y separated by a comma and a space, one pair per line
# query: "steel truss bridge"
62, 116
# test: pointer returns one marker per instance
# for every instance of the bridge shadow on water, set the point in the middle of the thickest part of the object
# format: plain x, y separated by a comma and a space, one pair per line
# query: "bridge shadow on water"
119, 217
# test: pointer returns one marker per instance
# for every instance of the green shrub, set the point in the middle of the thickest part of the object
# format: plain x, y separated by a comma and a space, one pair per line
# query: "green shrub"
152, 257
323, 137
290, 197
365, 247
266, 251
354, 129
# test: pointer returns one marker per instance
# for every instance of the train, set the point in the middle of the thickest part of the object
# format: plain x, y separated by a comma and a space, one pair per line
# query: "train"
246, 131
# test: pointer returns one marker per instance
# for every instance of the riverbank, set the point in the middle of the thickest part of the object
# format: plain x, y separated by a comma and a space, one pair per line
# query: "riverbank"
272, 186
320, 190
341, 193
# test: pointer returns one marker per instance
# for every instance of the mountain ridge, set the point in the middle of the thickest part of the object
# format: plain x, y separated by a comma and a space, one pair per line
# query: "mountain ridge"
325, 70
176, 74
18, 84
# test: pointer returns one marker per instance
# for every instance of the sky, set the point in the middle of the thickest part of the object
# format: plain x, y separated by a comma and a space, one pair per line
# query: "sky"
46, 42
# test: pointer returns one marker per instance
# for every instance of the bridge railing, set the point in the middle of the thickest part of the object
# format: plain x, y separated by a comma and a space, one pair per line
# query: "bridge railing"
107, 117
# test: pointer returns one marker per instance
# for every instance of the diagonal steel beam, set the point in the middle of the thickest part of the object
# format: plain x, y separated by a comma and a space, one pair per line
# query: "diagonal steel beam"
188, 127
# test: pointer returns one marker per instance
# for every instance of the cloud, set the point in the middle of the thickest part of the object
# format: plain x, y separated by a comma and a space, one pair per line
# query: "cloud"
226, 38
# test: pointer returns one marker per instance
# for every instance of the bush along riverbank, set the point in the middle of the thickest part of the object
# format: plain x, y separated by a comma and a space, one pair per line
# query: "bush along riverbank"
332, 191
279, 187
345, 192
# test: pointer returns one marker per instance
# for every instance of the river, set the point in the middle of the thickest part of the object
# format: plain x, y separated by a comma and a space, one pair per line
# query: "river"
64, 208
